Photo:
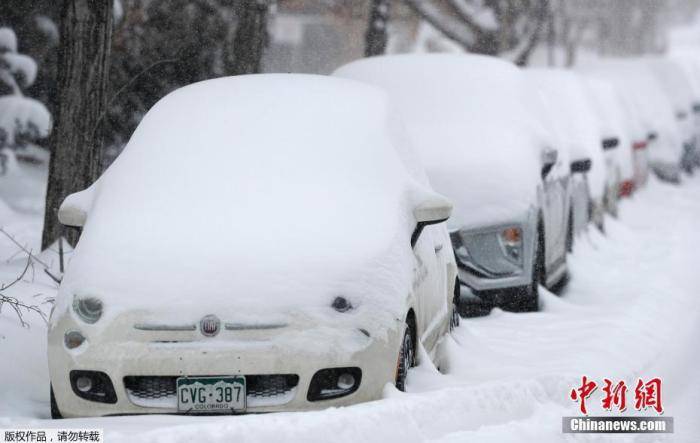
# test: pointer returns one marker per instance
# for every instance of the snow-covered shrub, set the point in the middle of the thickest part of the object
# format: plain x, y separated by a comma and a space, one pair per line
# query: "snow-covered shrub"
23, 120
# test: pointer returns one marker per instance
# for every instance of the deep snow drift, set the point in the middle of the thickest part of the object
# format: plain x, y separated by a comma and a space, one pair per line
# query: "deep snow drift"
631, 310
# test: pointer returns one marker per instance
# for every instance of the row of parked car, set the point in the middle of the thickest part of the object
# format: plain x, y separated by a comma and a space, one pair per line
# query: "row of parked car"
289, 242
530, 156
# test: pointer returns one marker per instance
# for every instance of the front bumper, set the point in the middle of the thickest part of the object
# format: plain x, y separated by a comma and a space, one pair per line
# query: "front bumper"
295, 353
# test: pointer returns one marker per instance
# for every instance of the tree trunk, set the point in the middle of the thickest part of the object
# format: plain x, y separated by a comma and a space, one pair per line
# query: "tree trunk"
251, 37
76, 143
376, 37
551, 40
539, 17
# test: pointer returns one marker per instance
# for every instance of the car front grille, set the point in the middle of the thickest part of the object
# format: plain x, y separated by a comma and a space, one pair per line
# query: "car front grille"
160, 391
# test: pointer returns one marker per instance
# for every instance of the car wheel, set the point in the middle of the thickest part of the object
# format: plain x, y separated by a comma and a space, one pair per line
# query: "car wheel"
530, 302
600, 224
612, 205
55, 413
454, 319
407, 356
570, 233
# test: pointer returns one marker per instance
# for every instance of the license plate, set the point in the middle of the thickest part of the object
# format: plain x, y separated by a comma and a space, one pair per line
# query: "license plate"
211, 394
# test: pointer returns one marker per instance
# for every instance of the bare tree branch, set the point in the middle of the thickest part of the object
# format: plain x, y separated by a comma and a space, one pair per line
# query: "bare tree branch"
24, 249
450, 28
540, 14
16, 305
517, 24
18, 279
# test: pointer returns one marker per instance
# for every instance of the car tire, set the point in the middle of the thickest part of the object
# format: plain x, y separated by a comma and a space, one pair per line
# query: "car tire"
55, 413
611, 204
529, 300
570, 233
455, 317
407, 355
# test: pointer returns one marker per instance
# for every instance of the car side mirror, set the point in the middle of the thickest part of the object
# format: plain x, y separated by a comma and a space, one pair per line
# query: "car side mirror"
433, 210
610, 143
581, 166
549, 159
73, 211
71, 215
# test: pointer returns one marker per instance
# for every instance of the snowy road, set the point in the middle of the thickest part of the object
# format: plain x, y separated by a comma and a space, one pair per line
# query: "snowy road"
631, 310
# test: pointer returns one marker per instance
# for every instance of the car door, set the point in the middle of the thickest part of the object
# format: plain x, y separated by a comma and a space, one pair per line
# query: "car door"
431, 251
555, 205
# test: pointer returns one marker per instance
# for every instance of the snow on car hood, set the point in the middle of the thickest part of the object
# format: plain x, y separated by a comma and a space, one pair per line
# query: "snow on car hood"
465, 115
254, 193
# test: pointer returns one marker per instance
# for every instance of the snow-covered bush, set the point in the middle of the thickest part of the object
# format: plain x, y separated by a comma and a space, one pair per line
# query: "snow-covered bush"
23, 120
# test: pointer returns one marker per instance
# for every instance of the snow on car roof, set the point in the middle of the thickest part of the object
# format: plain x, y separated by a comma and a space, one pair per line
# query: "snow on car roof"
672, 80
466, 117
277, 191
655, 108
614, 121
689, 61
574, 115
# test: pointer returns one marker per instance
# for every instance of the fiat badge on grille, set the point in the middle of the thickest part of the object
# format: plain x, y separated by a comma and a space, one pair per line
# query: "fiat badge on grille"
210, 325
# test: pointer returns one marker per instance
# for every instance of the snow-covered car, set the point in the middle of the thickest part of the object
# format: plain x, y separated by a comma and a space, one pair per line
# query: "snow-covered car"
263, 243
615, 130
483, 149
658, 146
573, 119
689, 61
677, 87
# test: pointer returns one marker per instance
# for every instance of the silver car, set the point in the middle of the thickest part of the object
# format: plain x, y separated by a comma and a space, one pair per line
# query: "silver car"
466, 116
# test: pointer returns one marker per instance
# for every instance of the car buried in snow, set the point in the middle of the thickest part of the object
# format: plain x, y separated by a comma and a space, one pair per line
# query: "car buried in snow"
483, 149
263, 243
677, 87
617, 131
658, 145
572, 117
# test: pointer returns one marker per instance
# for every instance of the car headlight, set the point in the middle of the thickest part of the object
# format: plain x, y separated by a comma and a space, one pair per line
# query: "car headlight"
511, 240
89, 309
490, 253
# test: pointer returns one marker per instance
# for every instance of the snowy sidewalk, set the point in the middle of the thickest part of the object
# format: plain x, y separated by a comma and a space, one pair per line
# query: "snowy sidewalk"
631, 310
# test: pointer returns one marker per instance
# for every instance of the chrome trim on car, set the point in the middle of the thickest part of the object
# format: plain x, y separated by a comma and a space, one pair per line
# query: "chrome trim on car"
193, 327
253, 326
161, 327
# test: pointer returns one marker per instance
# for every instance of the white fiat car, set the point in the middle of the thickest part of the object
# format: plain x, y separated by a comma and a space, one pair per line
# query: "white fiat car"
263, 243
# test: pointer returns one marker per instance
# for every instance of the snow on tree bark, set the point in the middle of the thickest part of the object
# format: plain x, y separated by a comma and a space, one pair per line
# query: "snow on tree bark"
76, 145
251, 37
377, 37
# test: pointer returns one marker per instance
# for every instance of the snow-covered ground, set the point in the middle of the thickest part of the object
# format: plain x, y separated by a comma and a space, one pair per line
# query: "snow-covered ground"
631, 310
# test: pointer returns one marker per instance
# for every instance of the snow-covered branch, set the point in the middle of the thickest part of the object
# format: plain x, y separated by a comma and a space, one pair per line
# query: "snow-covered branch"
488, 26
